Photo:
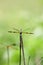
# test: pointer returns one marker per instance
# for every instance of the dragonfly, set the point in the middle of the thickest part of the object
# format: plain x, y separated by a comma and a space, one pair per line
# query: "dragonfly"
21, 46
7, 47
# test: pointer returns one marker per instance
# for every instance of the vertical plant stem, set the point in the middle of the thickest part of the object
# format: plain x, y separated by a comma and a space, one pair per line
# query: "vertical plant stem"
20, 55
8, 54
28, 60
23, 54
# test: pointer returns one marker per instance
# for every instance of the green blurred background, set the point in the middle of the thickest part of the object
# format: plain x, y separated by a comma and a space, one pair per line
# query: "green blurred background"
28, 16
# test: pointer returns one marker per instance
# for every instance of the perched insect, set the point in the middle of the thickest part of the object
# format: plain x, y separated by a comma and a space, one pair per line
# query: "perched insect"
21, 43
7, 46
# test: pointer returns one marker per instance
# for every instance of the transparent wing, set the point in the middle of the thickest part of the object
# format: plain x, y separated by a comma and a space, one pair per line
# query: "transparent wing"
16, 29
13, 32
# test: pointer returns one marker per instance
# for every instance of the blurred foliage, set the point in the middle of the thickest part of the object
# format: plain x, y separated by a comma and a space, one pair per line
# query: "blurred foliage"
28, 16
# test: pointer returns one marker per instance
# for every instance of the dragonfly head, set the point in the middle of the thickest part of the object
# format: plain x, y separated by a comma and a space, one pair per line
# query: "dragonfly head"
20, 31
